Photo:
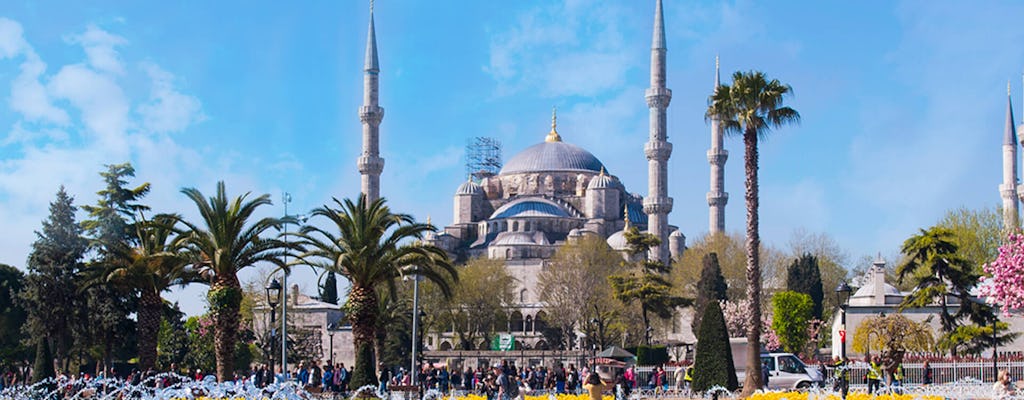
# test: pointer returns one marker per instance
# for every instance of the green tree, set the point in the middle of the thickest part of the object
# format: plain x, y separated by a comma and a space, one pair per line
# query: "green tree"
172, 338
575, 292
940, 272
479, 304
153, 265
12, 316
50, 295
831, 259
710, 288
732, 259
370, 246
645, 282
224, 242
751, 107
803, 276
892, 336
713, 364
111, 229
791, 313
978, 233
329, 289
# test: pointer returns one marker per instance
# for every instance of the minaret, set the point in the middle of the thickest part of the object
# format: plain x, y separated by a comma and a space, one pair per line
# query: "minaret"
1008, 189
717, 197
657, 204
370, 113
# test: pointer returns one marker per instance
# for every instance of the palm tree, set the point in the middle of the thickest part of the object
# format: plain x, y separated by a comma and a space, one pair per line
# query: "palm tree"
152, 266
371, 247
751, 107
226, 243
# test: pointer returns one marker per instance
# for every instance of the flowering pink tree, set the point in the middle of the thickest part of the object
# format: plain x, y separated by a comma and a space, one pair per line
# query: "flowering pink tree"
736, 322
1006, 287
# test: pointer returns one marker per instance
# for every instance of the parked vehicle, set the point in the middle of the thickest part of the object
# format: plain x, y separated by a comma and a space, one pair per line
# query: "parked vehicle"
785, 370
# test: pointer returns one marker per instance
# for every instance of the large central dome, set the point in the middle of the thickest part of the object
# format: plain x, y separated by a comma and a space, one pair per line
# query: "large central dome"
552, 156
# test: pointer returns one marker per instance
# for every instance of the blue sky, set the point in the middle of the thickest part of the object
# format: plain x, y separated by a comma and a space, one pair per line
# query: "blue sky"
902, 103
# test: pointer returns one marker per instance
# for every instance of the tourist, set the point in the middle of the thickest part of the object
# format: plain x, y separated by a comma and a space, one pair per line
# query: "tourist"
303, 375
467, 379
842, 376
328, 379
1003, 388
572, 379
766, 373
385, 376
595, 386
442, 379
679, 375
508, 389
926, 374
559, 379
340, 379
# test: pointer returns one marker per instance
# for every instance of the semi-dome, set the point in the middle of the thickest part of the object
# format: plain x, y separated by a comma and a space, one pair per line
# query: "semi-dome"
469, 187
552, 156
617, 241
530, 207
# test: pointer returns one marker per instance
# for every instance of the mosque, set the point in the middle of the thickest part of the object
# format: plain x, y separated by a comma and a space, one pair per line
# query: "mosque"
550, 193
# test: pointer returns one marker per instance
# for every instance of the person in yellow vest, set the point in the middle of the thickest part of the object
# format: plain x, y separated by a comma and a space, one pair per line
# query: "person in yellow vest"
842, 376
689, 378
897, 379
874, 374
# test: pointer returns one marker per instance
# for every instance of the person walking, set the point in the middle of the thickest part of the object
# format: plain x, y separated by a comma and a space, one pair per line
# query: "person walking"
926, 374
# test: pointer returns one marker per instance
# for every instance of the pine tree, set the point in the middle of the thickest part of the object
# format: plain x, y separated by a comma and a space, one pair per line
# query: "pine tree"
804, 276
710, 288
713, 364
111, 228
51, 297
329, 290
645, 283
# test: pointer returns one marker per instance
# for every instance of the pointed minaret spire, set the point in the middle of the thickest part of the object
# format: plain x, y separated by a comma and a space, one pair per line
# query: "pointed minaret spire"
717, 197
657, 204
370, 163
1009, 189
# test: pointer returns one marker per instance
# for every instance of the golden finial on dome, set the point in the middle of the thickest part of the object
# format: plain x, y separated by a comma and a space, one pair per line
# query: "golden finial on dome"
625, 215
428, 220
602, 170
553, 135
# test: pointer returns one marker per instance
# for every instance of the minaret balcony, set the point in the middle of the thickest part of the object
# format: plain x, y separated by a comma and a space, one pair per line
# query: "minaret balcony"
718, 156
658, 97
371, 114
657, 205
717, 199
658, 150
372, 165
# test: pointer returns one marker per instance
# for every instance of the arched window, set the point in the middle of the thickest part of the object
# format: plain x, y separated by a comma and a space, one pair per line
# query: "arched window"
540, 324
522, 296
445, 346
515, 226
516, 321
529, 324
541, 345
484, 345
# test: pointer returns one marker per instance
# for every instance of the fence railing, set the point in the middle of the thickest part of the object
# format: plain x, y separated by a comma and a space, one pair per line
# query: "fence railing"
946, 372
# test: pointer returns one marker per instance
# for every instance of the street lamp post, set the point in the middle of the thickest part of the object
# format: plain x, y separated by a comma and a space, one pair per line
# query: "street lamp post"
842, 298
416, 278
330, 335
273, 296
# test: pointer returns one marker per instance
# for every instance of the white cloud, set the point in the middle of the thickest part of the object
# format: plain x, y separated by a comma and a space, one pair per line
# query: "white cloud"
99, 98
167, 110
99, 46
587, 40
28, 96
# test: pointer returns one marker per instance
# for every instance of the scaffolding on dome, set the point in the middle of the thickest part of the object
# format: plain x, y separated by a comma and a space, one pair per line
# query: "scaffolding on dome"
483, 157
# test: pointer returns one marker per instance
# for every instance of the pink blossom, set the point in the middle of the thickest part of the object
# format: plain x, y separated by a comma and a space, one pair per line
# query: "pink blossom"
1006, 286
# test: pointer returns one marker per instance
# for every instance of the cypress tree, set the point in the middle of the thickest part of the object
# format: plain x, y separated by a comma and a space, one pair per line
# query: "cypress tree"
804, 276
713, 365
43, 367
710, 288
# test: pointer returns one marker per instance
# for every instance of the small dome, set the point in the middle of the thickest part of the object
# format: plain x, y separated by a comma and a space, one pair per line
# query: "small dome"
470, 187
601, 181
677, 233
519, 239
617, 241
576, 232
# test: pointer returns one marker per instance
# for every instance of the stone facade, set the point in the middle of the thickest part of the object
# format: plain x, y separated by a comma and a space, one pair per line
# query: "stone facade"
308, 313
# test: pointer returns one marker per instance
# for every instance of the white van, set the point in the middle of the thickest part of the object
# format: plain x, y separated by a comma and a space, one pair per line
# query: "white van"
785, 371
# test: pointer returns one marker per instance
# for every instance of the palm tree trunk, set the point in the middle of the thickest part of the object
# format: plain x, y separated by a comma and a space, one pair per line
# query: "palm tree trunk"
150, 307
363, 307
225, 298
753, 379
